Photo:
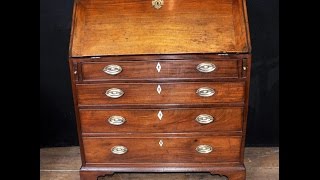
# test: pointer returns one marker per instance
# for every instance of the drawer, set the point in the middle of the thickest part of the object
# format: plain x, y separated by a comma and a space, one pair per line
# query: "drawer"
162, 121
162, 93
153, 70
162, 150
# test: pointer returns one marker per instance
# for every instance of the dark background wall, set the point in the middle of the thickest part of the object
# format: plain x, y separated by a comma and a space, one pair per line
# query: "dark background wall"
58, 125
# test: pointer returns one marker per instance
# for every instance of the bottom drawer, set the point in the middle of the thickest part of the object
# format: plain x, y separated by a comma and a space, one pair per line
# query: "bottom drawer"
162, 149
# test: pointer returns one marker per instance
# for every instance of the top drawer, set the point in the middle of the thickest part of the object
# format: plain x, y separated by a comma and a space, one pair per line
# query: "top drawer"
157, 70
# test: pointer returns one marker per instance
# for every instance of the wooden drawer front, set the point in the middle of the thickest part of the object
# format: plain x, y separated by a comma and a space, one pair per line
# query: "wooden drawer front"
167, 120
173, 150
161, 70
147, 93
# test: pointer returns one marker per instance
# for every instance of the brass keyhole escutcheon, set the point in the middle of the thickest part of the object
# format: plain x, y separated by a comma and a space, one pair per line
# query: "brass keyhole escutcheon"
157, 3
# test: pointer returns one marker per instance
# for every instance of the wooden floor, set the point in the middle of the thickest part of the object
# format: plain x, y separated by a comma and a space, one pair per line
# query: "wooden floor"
63, 164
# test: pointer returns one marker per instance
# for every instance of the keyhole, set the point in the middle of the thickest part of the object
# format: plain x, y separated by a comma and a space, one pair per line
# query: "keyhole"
157, 3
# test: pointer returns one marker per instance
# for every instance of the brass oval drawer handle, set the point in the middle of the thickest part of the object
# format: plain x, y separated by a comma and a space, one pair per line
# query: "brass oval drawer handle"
116, 120
205, 92
206, 67
119, 150
204, 119
204, 149
112, 69
114, 93
157, 3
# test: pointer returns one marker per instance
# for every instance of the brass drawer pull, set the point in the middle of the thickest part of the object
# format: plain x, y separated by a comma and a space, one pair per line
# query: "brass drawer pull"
206, 67
157, 3
204, 149
114, 93
112, 69
116, 120
205, 92
119, 150
204, 119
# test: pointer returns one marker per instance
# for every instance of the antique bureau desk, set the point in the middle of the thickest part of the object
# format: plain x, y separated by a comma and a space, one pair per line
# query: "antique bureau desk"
160, 85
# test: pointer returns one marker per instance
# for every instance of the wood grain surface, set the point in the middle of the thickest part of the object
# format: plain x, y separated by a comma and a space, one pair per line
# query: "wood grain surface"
172, 120
171, 93
135, 27
173, 150
172, 69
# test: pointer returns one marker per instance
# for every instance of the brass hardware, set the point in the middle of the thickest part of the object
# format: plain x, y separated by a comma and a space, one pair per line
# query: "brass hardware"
112, 69
206, 67
77, 76
119, 150
116, 120
157, 3
245, 64
204, 119
204, 149
205, 92
114, 93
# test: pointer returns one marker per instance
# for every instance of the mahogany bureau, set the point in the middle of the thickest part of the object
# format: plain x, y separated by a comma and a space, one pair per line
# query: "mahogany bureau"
160, 85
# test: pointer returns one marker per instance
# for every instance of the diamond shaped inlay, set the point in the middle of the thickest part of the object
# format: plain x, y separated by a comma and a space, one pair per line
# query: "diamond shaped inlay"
159, 89
160, 115
158, 67
161, 143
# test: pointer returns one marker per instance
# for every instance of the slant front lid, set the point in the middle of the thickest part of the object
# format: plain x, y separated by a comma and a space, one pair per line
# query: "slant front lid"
126, 27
